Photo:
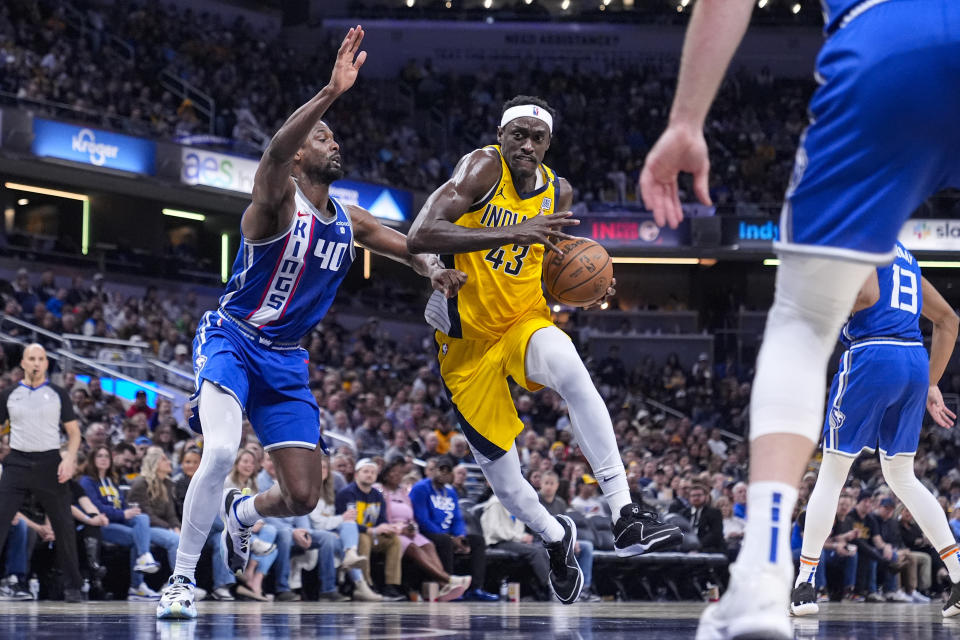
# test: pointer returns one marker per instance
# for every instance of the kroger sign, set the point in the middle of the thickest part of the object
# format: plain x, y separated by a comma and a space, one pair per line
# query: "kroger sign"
92, 146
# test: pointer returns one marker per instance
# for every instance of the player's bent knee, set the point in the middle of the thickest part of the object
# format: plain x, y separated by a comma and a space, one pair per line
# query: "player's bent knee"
301, 498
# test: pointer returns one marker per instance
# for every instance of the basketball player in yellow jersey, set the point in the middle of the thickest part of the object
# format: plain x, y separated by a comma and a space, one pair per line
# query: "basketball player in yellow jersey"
492, 220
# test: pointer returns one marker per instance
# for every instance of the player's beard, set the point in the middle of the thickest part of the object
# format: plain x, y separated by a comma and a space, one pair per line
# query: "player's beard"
326, 173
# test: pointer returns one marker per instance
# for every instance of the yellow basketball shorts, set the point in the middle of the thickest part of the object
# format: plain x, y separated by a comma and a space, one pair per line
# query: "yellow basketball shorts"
475, 375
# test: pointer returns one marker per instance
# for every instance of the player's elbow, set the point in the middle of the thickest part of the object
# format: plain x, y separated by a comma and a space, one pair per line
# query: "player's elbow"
950, 323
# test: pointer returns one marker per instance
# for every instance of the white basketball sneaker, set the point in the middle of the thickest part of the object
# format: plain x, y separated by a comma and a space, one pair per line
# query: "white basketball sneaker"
754, 607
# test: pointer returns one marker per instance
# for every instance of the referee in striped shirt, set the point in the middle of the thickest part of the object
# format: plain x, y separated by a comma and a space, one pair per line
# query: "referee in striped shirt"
34, 410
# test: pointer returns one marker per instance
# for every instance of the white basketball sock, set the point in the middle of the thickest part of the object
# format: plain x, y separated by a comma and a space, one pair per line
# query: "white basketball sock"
552, 361
769, 512
247, 512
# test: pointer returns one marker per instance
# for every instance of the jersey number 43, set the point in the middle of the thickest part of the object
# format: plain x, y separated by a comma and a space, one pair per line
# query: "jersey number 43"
511, 266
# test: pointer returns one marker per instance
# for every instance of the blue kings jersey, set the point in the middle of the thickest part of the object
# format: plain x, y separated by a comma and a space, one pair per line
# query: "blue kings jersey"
897, 313
283, 286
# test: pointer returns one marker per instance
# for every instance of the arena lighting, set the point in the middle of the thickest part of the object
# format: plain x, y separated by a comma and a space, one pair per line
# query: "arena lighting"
771, 262
604, 305
527, 1
23, 202
487, 4
448, 4
556, 308
189, 215
565, 5
762, 4
410, 3
224, 257
684, 3
678, 261
796, 9
85, 199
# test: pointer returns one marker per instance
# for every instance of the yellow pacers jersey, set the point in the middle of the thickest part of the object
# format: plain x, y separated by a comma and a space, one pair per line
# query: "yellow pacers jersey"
503, 284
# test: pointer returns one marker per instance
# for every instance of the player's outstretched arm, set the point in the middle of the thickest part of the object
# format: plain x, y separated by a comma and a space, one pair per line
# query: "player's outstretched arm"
945, 327
271, 184
393, 244
435, 229
715, 31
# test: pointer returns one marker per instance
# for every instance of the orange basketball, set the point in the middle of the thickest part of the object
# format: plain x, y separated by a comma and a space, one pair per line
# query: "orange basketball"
581, 276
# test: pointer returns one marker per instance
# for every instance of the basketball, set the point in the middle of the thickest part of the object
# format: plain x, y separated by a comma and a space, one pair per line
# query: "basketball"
581, 276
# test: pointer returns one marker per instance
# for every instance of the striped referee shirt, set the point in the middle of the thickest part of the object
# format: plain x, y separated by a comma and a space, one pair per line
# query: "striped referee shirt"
35, 415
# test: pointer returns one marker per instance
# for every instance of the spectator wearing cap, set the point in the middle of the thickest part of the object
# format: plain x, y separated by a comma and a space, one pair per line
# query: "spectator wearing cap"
900, 562
141, 444
377, 536
181, 358
140, 405
869, 555
586, 501
436, 508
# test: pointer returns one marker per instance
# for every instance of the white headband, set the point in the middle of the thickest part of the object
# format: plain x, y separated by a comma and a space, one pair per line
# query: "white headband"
528, 111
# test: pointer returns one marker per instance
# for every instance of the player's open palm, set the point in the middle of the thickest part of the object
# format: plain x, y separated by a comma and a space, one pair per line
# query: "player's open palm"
348, 63
678, 149
938, 410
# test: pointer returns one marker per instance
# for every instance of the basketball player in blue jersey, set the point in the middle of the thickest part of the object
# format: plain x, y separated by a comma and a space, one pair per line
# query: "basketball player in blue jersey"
876, 402
883, 137
296, 249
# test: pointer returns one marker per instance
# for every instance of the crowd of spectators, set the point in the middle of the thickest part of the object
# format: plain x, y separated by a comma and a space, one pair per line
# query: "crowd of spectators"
390, 427
599, 146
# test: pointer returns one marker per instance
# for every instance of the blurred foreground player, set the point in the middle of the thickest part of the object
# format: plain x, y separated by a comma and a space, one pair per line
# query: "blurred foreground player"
491, 220
297, 247
882, 138
877, 401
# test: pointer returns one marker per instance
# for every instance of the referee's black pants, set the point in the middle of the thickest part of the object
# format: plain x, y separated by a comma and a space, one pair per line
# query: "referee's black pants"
36, 473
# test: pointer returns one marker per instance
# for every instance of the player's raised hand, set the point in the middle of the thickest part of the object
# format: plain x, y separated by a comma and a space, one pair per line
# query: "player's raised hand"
348, 62
679, 149
938, 410
448, 281
544, 229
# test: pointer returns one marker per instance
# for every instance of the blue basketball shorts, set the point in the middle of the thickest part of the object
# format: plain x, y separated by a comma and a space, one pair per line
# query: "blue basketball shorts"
269, 382
883, 135
878, 398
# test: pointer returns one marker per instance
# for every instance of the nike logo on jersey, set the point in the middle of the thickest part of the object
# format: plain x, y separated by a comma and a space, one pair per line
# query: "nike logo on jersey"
301, 214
